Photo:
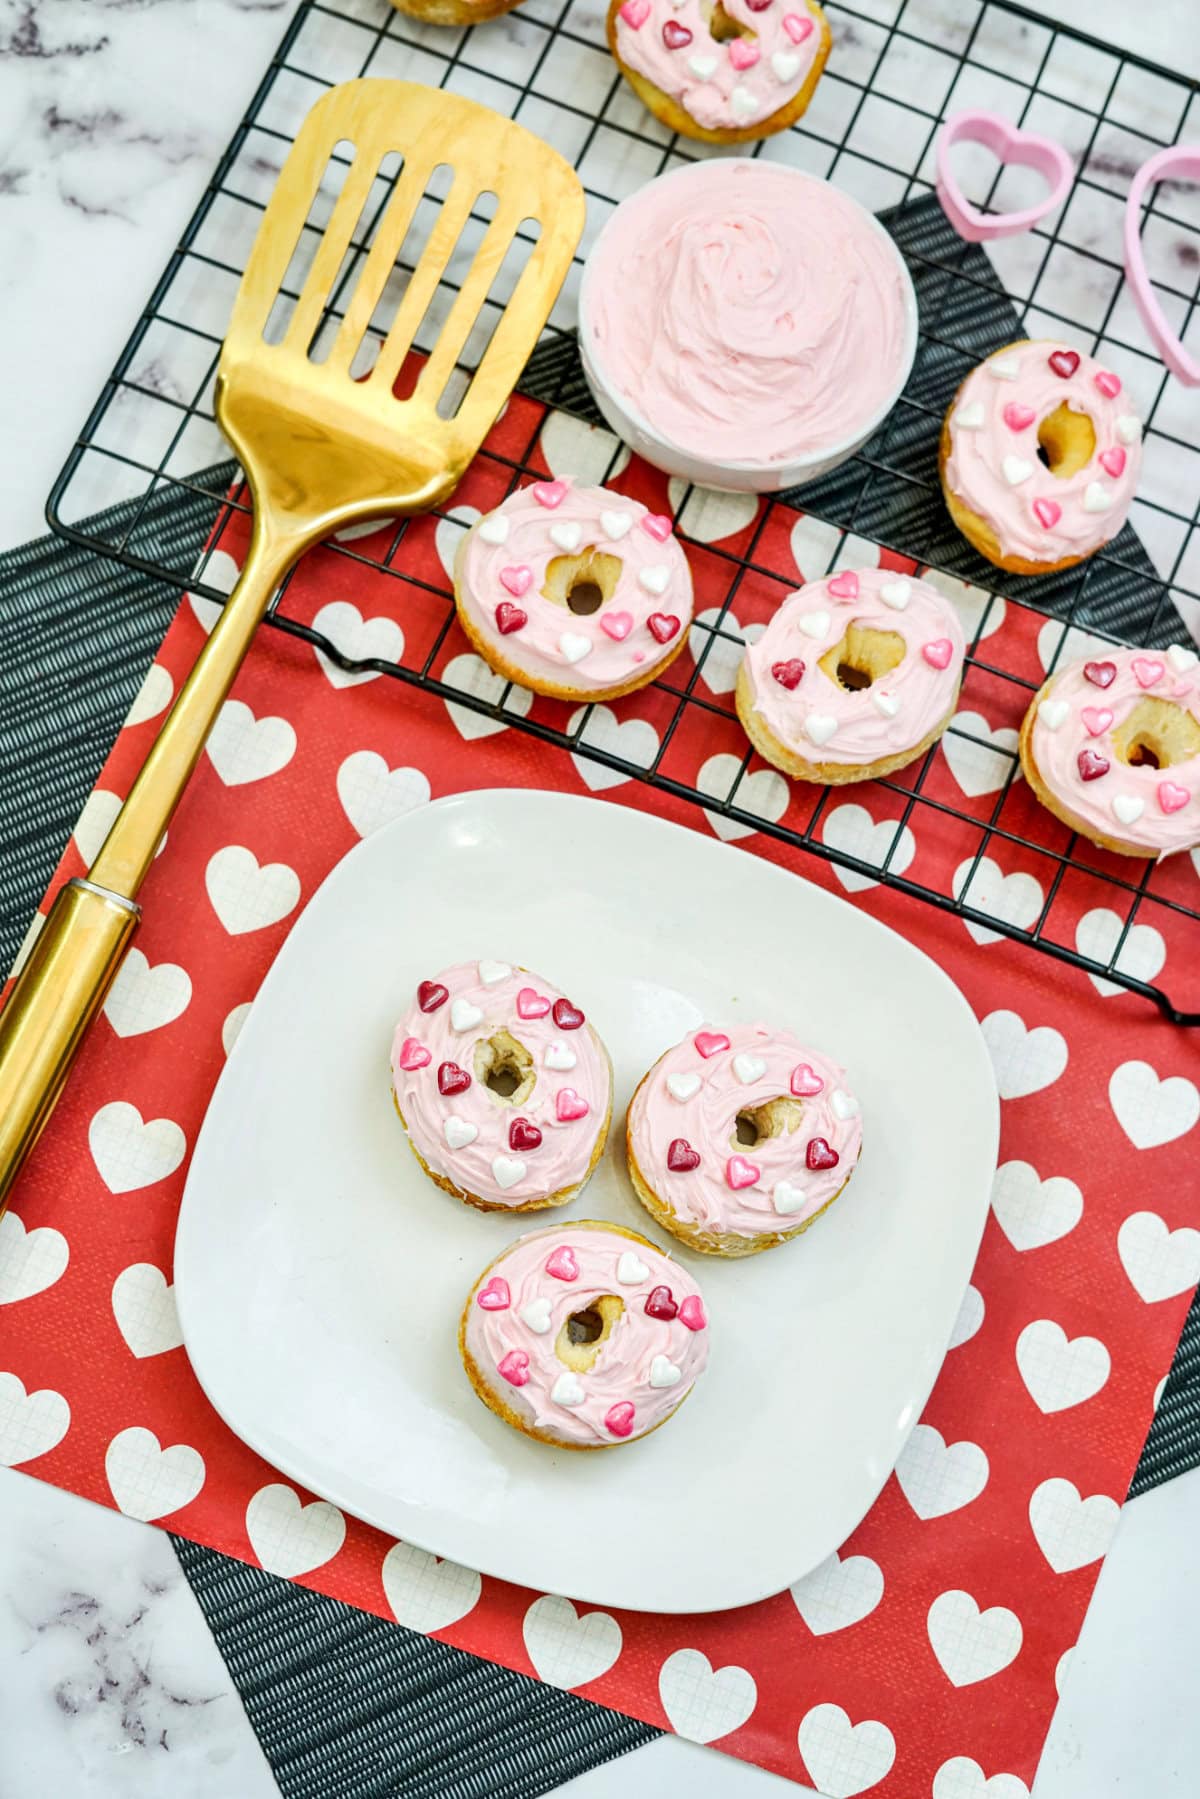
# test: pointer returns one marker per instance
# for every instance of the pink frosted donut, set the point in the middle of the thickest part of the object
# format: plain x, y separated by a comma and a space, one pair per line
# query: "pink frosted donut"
740, 1136
576, 592
855, 676
584, 1335
1111, 745
503, 1086
1025, 514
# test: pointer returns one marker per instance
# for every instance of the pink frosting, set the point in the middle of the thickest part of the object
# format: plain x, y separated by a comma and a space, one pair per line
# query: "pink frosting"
755, 316
746, 1065
994, 469
1071, 721
488, 1165
825, 722
704, 76
644, 1368
632, 632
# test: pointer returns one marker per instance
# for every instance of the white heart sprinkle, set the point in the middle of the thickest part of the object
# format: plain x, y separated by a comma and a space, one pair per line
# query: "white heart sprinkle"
1127, 808
703, 67
566, 536
1016, 470
844, 1104
814, 624
494, 528
1097, 497
464, 1016
655, 578
820, 727
742, 101
559, 1055
573, 646
682, 1086
537, 1316
1005, 368
491, 972
1181, 658
749, 1068
788, 1199
664, 1373
896, 594
631, 1270
566, 1391
615, 524
1129, 429
785, 65
508, 1170
887, 703
969, 418
1052, 713
458, 1132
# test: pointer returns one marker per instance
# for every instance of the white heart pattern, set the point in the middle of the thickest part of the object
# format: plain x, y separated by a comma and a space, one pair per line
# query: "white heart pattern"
632, 739
568, 1650
1060, 1371
471, 674
148, 1481
290, 1538
970, 1644
704, 1703
357, 637
962, 1778
970, 1317
247, 896
152, 697
587, 454
979, 758
937, 1477
844, 1759
1159, 1262
852, 830
372, 794
30, 1261
1015, 898
146, 996
234, 1021
709, 514
144, 1307
1033, 1212
1142, 953
216, 569
1151, 1111
449, 532
814, 544
1025, 1060
130, 1153
717, 641
840, 1591
425, 1593
1071, 1531
763, 792
243, 748
31, 1424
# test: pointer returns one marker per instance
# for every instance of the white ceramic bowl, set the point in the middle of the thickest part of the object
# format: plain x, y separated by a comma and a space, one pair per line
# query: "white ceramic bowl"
704, 467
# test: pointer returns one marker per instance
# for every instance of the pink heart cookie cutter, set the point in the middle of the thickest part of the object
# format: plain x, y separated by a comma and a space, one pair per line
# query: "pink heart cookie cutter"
1182, 160
1011, 146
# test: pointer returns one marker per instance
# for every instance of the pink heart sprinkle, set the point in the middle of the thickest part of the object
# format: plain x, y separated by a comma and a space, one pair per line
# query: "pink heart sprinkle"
692, 1313
819, 1154
742, 53
517, 579
806, 1081
710, 1043
635, 13
1047, 513
549, 493
1112, 462
495, 1297
659, 527
1147, 670
619, 1418
570, 1105
663, 626
1018, 417
1108, 383
1100, 674
741, 1173
617, 624
797, 28
938, 653
1171, 796
531, 1003
844, 586
1096, 719
514, 1367
675, 35
562, 1264
413, 1055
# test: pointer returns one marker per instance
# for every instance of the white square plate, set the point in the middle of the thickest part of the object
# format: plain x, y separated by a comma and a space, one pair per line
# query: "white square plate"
320, 1275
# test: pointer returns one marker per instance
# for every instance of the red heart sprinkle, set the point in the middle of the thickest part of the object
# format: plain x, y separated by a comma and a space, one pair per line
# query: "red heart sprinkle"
514, 1367
692, 1313
788, 674
806, 1081
1092, 765
431, 995
413, 1055
710, 1043
660, 1303
619, 1418
663, 625
1100, 674
1172, 797
658, 525
523, 1135
1018, 417
452, 1078
675, 36
1096, 719
1108, 383
938, 653
495, 1297
531, 1004
681, 1157
552, 493
566, 1016
562, 1264
844, 586
1047, 513
819, 1155
510, 618
1064, 362
1112, 462
757, 5
570, 1105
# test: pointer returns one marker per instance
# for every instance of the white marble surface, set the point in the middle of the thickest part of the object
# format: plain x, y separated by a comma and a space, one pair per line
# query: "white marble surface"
112, 113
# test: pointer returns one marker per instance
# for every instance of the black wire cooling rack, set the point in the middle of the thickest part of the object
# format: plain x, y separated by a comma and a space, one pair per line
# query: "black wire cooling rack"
150, 451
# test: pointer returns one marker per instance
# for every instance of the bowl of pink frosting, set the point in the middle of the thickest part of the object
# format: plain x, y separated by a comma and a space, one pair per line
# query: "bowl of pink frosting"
745, 325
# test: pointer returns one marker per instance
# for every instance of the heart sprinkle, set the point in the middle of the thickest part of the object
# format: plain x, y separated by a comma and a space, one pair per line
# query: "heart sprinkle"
1018, 417
663, 626
1129, 429
664, 1373
523, 1135
618, 1420
819, 727
788, 674
560, 1056
1016, 470
785, 66
1096, 719
743, 54
1181, 657
615, 525
464, 1016
692, 1313
739, 1173
1004, 368
567, 1390
631, 1270
617, 625
492, 973
562, 1264
1112, 462
814, 624
1047, 513
655, 578
566, 536
518, 579
569, 1105
635, 13
970, 418
675, 35
1053, 713
896, 594
413, 1055
1064, 362
887, 703
458, 1132
787, 1198
797, 27
683, 1086
660, 1303
702, 67
507, 1171
537, 1316
452, 1079
844, 586
658, 526
1096, 497
1148, 670
574, 646
844, 1104
1126, 808
1108, 383
495, 1296
510, 618
749, 1068
938, 653
431, 995
1172, 797
1092, 765
514, 1367
566, 1016
549, 493
806, 1081
1100, 674
710, 1043
531, 1003
819, 1155
681, 1157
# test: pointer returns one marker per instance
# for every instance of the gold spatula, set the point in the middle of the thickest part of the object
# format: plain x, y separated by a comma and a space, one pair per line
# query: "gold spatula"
320, 450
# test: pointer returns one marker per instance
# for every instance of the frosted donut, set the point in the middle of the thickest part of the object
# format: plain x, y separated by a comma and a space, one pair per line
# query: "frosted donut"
576, 592
1023, 514
855, 676
584, 1335
722, 72
1111, 745
503, 1086
740, 1136
454, 12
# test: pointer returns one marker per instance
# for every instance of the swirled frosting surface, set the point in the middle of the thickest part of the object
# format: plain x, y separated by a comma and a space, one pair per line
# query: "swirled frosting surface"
727, 85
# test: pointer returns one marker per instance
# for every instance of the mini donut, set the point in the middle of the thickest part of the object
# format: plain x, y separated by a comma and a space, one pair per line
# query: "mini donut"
740, 1136
584, 1335
454, 12
722, 71
1035, 399
1111, 746
855, 676
503, 1086
575, 592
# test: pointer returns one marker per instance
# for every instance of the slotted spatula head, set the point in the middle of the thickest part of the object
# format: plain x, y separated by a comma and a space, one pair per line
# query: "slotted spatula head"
320, 447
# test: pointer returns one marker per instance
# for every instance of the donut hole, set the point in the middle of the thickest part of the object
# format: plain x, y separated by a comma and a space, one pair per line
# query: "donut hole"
1066, 441
582, 583
505, 1068
863, 657
721, 27
584, 1333
1156, 734
774, 1118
